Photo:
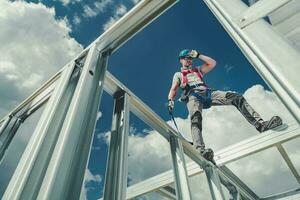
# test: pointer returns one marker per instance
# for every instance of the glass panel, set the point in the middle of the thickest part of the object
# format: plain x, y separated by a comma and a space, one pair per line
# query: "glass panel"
16, 148
292, 148
262, 172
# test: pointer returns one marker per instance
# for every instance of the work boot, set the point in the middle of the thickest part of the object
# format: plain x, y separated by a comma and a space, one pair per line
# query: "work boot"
267, 125
208, 154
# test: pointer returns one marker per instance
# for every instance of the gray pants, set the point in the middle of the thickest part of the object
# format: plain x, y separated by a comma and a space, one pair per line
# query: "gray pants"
218, 98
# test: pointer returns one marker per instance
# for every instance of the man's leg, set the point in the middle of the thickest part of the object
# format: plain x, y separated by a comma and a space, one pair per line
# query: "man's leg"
195, 108
232, 98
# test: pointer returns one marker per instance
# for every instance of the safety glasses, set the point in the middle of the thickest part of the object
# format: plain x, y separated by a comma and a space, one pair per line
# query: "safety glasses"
187, 58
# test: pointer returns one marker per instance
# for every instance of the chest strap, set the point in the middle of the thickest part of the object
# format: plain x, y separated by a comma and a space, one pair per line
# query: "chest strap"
185, 72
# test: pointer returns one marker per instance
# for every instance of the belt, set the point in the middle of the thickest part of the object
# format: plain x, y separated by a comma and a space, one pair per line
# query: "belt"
197, 85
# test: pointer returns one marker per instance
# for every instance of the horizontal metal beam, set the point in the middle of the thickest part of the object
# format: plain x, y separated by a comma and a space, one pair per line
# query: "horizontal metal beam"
129, 25
259, 10
257, 143
168, 192
139, 108
289, 195
227, 155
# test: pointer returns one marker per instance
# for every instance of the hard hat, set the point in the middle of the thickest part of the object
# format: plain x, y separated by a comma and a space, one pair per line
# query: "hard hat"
184, 53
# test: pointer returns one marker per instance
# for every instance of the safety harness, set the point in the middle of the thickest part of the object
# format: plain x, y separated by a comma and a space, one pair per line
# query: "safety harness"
188, 90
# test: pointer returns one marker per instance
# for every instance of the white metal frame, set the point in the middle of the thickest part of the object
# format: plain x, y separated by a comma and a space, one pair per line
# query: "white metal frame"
179, 169
268, 51
116, 174
54, 161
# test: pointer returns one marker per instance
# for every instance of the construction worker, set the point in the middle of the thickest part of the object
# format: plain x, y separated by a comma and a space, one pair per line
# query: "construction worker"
197, 96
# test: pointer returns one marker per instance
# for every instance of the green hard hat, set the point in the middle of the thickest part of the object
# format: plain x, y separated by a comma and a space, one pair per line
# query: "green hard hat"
184, 53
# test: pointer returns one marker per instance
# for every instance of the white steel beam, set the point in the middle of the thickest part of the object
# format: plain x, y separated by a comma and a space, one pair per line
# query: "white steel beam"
179, 168
241, 188
259, 10
288, 162
116, 170
61, 179
129, 25
227, 155
8, 134
4, 124
167, 192
64, 176
268, 52
289, 195
33, 152
214, 183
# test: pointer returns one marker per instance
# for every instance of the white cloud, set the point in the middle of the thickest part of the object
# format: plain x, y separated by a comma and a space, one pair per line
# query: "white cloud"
76, 20
135, 1
222, 126
89, 12
90, 177
99, 115
66, 2
97, 8
119, 12
148, 156
34, 46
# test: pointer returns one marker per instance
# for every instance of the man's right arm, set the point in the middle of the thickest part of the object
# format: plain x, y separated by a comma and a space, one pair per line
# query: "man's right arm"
173, 91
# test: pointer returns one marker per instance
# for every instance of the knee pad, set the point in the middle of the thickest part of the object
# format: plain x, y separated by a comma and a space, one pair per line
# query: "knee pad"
196, 119
235, 98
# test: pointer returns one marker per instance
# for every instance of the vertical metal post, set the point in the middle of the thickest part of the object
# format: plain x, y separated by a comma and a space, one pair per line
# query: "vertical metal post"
214, 182
116, 169
8, 134
179, 168
4, 124
29, 172
65, 173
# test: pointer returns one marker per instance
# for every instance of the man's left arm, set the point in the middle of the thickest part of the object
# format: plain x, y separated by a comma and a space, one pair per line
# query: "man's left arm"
209, 62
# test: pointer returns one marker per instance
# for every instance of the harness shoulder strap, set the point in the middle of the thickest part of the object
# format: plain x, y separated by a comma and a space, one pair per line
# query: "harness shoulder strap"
185, 72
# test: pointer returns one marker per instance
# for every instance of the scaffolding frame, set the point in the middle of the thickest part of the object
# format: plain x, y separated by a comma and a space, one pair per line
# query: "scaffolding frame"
72, 97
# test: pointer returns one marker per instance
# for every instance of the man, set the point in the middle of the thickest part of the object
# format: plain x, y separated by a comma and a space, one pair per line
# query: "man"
197, 96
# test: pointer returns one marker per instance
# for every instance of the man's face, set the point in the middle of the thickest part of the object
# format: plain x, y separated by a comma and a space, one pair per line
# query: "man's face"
187, 61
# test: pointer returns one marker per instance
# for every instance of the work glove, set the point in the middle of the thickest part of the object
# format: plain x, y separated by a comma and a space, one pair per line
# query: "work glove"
194, 54
170, 105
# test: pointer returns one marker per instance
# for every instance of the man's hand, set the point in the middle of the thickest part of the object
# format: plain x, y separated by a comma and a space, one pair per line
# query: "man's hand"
170, 105
194, 54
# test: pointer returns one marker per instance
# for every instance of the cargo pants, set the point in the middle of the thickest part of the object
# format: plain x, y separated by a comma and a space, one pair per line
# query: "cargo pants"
218, 98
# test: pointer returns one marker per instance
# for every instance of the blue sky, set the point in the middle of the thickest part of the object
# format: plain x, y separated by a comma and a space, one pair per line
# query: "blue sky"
145, 64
